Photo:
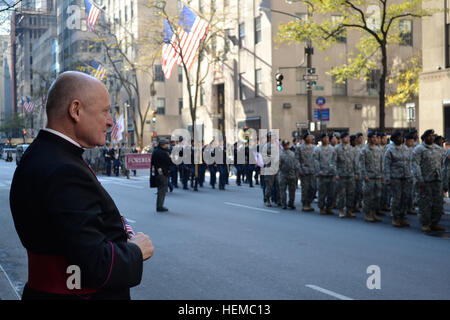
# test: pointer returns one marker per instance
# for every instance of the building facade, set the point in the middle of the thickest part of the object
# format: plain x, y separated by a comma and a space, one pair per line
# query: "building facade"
241, 90
434, 85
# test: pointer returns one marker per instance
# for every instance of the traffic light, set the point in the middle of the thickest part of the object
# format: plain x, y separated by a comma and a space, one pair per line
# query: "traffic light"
279, 81
154, 116
312, 70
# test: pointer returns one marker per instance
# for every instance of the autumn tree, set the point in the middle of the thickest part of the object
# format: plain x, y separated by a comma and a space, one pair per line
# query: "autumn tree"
404, 80
379, 26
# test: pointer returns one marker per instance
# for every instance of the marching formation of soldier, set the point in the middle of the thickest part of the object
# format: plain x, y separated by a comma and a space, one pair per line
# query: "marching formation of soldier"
346, 175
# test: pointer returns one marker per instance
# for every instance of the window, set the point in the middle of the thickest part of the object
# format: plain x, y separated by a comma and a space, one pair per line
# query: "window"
180, 106
339, 89
258, 83
180, 74
342, 35
159, 74
242, 88
257, 29
373, 82
241, 35
161, 106
405, 27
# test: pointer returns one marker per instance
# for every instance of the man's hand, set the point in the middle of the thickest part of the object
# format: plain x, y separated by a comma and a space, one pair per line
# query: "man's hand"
145, 244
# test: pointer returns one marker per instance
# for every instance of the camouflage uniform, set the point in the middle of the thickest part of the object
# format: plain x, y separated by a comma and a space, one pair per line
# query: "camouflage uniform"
386, 193
324, 163
357, 198
426, 166
270, 180
287, 176
397, 171
371, 166
446, 170
304, 155
346, 168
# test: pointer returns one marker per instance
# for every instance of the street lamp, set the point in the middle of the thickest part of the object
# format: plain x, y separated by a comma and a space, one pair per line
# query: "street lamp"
309, 51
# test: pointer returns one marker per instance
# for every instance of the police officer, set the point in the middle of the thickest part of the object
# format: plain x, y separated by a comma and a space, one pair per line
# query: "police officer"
346, 173
397, 175
426, 165
161, 162
287, 176
371, 164
304, 155
324, 161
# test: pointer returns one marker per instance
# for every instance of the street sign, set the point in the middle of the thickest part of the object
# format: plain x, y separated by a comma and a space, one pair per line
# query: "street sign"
325, 114
307, 77
320, 101
135, 161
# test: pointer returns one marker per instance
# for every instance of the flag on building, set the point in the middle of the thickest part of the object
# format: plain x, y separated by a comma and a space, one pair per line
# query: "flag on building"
181, 48
28, 105
99, 71
117, 129
92, 15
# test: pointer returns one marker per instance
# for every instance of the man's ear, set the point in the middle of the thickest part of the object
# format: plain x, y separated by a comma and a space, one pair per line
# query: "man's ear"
74, 110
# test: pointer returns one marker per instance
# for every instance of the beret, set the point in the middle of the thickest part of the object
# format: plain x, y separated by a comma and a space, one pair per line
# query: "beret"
370, 134
307, 133
323, 135
344, 134
409, 136
352, 137
396, 134
359, 134
427, 133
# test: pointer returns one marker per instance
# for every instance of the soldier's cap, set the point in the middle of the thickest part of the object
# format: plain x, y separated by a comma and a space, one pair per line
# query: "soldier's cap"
163, 141
396, 134
359, 134
381, 134
331, 136
285, 142
438, 137
307, 133
337, 135
344, 134
323, 135
409, 136
353, 137
412, 131
180, 139
370, 134
427, 133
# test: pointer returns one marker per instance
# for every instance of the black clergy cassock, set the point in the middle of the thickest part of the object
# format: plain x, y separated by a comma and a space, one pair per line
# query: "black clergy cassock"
64, 217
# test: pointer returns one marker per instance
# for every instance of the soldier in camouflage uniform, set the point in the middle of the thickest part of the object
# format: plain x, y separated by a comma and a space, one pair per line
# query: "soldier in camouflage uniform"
333, 144
397, 175
371, 166
426, 166
304, 155
346, 172
287, 175
385, 189
324, 162
359, 141
409, 144
446, 171
356, 152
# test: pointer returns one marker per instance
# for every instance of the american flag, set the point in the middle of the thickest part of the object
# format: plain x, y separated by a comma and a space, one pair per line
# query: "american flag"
191, 30
117, 129
92, 15
99, 71
28, 105
129, 230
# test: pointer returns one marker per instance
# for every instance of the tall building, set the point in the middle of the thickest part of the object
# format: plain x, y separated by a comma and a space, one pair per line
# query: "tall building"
434, 96
241, 91
5, 78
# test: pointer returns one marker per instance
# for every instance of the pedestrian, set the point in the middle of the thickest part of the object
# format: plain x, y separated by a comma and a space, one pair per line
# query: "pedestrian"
426, 165
287, 175
346, 173
325, 168
161, 163
371, 164
63, 216
397, 175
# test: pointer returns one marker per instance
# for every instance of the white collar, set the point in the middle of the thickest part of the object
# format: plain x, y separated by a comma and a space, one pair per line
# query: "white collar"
62, 136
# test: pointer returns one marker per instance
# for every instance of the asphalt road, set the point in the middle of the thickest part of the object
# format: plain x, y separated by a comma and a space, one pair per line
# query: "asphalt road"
216, 244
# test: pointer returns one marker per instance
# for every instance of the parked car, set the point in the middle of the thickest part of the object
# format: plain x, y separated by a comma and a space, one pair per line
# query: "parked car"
20, 151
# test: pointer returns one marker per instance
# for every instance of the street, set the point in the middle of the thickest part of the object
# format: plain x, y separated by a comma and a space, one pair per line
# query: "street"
227, 245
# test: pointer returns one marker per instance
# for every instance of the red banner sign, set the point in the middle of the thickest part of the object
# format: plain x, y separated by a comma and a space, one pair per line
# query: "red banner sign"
136, 161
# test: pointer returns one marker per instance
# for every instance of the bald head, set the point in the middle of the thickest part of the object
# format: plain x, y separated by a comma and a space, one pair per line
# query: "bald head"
70, 86
78, 106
